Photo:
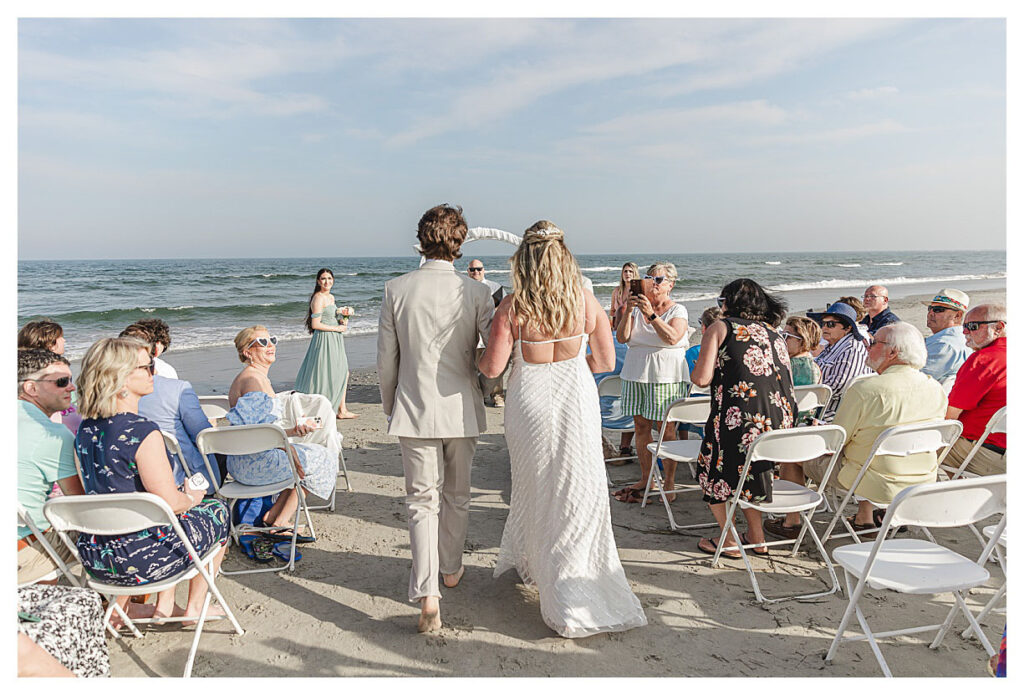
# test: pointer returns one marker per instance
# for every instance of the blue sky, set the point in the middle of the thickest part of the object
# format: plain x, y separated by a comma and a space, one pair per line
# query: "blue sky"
181, 138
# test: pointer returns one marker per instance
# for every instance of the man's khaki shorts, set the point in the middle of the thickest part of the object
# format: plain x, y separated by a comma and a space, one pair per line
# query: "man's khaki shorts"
985, 462
34, 564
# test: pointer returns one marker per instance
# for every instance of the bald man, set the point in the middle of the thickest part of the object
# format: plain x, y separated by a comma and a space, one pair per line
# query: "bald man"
876, 303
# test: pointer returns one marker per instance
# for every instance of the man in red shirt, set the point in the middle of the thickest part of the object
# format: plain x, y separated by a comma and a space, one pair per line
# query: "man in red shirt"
980, 390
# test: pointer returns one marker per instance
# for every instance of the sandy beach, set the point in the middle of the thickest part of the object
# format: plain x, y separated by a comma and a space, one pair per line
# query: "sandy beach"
343, 612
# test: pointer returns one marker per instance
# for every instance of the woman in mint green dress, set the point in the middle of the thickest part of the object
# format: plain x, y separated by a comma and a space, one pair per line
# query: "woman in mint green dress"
324, 370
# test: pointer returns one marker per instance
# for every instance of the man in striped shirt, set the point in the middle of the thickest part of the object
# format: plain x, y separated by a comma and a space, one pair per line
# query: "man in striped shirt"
845, 357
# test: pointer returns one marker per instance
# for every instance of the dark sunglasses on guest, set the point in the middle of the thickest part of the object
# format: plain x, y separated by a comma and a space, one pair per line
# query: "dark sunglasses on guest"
829, 323
475, 269
658, 279
938, 309
60, 382
264, 342
975, 325
151, 367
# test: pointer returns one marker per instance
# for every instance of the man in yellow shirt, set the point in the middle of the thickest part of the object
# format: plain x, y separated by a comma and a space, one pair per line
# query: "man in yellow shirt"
900, 395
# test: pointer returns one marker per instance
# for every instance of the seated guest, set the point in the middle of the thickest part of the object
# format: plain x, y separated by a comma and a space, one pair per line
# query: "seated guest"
294, 411
175, 409
45, 334
46, 453
858, 306
844, 357
161, 333
899, 395
947, 345
120, 451
876, 303
802, 335
708, 317
980, 390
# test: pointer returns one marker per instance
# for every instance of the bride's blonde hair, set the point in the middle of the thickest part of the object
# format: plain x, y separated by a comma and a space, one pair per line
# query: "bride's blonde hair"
545, 281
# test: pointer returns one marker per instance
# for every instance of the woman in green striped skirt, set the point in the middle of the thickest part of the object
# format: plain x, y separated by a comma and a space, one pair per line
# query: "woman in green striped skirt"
654, 373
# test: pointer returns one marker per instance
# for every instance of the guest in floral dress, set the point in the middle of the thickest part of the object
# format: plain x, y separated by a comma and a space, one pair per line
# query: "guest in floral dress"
746, 363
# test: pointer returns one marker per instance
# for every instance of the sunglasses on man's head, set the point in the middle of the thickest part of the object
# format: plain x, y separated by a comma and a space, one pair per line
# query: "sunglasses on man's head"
264, 342
975, 325
60, 382
658, 279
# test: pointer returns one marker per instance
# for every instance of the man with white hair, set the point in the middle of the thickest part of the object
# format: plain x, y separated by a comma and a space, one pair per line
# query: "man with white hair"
947, 347
900, 395
980, 390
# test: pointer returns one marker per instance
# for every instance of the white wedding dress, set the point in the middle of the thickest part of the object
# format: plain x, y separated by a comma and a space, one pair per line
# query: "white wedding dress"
558, 535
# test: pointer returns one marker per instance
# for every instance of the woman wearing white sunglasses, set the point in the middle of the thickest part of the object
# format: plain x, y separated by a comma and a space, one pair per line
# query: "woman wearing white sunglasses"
654, 372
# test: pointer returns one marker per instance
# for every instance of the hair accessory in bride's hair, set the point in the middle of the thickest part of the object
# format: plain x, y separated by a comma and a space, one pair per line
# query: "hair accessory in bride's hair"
547, 231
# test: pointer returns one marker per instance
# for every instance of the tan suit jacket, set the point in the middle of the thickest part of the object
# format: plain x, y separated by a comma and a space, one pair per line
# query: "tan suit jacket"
430, 322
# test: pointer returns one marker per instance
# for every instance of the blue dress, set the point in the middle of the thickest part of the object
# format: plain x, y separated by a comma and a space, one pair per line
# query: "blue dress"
324, 369
106, 448
271, 466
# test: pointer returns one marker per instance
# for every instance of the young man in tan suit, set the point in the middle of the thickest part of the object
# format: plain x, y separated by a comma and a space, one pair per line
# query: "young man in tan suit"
430, 322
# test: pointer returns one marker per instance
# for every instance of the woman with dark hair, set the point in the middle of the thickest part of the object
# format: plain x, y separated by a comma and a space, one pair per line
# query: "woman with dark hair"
324, 370
746, 363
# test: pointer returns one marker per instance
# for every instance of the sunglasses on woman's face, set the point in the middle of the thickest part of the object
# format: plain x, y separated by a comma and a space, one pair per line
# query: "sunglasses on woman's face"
151, 367
264, 342
787, 334
721, 302
658, 279
829, 323
975, 325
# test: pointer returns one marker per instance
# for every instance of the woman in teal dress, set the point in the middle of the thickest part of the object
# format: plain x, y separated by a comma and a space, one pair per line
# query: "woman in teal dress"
324, 370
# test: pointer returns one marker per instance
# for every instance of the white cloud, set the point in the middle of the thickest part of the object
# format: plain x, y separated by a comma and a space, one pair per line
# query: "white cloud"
884, 127
757, 112
870, 93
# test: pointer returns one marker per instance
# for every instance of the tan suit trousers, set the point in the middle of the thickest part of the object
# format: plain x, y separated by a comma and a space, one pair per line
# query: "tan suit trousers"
985, 462
437, 499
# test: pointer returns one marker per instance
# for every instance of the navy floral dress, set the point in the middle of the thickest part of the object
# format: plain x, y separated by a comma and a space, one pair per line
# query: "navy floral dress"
106, 448
751, 393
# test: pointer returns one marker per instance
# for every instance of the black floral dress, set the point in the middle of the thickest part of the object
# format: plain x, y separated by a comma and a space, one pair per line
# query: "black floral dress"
751, 393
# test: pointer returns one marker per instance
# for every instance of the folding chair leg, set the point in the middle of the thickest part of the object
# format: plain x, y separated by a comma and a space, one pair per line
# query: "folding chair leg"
111, 607
871, 641
986, 610
195, 640
344, 468
845, 622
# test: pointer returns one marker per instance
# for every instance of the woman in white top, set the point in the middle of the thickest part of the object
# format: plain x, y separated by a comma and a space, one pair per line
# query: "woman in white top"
654, 373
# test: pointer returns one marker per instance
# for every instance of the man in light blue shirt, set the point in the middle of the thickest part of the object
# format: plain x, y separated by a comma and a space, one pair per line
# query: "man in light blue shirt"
947, 347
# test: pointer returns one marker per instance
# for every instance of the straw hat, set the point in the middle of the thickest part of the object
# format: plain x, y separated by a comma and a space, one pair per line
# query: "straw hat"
948, 297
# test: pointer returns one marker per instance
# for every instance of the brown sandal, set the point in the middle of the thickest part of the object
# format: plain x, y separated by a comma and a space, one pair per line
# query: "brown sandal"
731, 554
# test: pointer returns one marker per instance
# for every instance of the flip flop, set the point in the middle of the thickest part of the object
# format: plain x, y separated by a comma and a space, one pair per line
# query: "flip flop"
632, 496
757, 551
282, 549
714, 545
279, 537
256, 547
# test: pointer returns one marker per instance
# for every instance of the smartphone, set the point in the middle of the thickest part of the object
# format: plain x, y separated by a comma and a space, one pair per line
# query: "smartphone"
198, 482
318, 420
636, 286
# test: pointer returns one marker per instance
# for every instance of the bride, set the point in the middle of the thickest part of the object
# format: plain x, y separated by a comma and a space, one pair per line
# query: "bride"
558, 535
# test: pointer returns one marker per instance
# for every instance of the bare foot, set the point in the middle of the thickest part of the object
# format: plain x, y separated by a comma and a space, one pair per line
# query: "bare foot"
346, 415
213, 611
452, 580
430, 616
134, 611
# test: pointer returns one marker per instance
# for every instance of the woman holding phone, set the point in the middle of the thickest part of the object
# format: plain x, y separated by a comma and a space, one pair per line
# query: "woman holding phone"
654, 372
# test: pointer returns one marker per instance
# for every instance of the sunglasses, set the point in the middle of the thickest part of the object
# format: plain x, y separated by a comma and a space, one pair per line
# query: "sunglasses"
872, 342
787, 334
975, 325
938, 309
475, 270
658, 279
829, 323
721, 302
264, 342
60, 382
874, 296
151, 367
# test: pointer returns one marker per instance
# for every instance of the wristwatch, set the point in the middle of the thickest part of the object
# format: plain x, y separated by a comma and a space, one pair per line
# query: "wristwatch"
652, 316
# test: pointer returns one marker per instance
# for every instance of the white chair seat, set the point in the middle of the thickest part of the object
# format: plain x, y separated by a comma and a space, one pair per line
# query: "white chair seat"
786, 497
240, 491
679, 450
989, 530
912, 566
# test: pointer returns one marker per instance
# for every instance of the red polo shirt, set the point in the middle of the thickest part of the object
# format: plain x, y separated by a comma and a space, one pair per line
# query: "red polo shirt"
980, 390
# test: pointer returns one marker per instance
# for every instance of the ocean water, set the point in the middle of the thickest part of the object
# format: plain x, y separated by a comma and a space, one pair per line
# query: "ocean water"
207, 301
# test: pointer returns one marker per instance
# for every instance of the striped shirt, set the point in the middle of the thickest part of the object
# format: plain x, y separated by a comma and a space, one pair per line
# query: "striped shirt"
840, 364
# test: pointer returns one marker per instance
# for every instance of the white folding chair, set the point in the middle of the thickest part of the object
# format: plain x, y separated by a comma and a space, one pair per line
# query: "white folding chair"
901, 440
812, 398
611, 386
121, 513
785, 446
25, 519
214, 406
252, 439
342, 470
999, 550
916, 566
996, 424
692, 410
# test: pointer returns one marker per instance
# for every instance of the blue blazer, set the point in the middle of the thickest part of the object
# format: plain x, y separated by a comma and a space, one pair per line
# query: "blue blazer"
175, 408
